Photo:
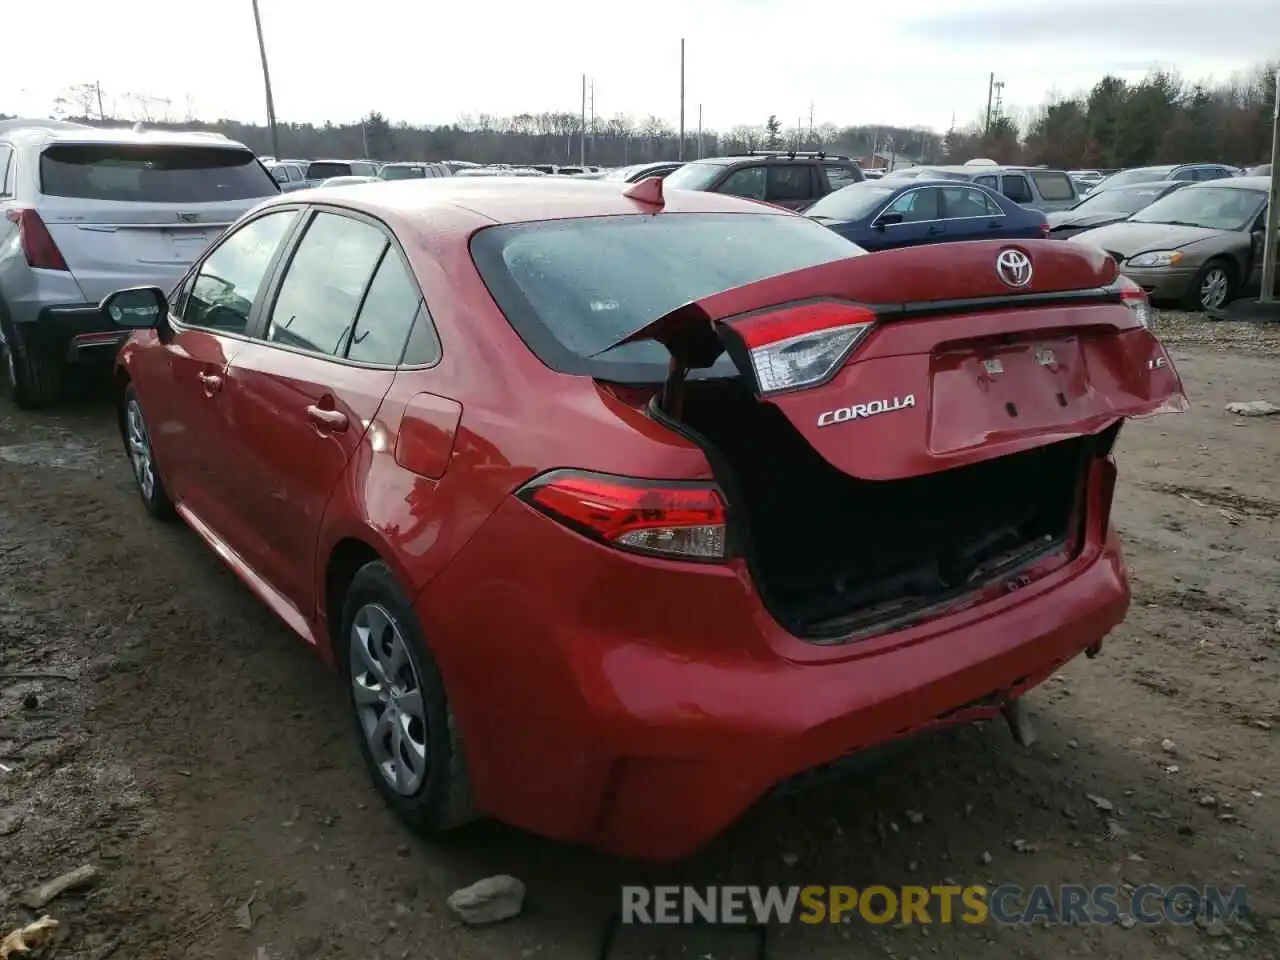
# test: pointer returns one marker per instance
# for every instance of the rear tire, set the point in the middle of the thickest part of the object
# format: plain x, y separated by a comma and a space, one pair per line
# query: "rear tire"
408, 737
34, 376
1213, 287
142, 457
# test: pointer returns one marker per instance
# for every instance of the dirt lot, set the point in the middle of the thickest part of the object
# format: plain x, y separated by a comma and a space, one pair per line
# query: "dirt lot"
188, 746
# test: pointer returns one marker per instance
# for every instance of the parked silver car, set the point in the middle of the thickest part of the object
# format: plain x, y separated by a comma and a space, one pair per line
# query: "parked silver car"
87, 211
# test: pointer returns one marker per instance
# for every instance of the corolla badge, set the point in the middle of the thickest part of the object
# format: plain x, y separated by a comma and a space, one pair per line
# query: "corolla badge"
1013, 267
860, 410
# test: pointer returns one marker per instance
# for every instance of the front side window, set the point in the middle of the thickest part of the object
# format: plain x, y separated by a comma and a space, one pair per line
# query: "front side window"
325, 283
919, 205
749, 182
228, 282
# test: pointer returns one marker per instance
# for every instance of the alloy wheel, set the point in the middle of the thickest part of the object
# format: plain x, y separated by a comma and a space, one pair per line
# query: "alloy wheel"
388, 699
1213, 288
139, 441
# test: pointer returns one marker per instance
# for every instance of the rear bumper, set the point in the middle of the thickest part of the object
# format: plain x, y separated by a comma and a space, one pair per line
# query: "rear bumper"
642, 706
1161, 283
79, 333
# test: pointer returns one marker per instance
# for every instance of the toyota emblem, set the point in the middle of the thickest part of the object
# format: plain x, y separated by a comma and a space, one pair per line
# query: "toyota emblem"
1013, 267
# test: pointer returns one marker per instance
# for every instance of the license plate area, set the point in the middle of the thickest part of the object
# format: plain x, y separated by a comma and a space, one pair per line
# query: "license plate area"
988, 392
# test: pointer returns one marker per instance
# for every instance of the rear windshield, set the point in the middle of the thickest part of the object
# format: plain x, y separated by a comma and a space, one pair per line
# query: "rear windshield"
151, 173
324, 169
571, 288
1053, 186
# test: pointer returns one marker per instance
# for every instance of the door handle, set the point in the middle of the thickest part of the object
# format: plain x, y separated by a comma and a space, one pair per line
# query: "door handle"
934, 231
333, 421
993, 224
211, 382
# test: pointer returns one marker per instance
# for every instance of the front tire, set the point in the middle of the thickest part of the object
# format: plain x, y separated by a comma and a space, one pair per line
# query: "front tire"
1214, 286
406, 729
142, 457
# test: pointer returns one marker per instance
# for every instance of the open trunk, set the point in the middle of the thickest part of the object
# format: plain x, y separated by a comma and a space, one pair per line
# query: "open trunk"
884, 460
833, 555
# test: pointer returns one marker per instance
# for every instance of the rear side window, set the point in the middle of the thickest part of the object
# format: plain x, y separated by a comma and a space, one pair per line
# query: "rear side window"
225, 287
572, 288
966, 202
153, 173
387, 313
989, 182
1017, 189
324, 169
324, 284
790, 182
6, 161
1054, 186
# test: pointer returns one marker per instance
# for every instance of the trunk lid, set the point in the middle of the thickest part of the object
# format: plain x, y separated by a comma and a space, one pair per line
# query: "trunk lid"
126, 214
935, 358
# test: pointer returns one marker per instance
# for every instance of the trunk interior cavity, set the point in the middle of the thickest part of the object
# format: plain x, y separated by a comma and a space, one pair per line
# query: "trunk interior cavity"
834, 555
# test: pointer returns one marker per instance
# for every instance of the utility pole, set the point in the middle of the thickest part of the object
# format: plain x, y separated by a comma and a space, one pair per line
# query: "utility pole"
1271, 244
593, 119
582, 140
699, 131
266, 82
991, 89
97, 85
811, 122
680, 154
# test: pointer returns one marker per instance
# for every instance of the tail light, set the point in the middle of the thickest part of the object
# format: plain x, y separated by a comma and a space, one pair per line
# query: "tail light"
1045, 228
796, 346
37, 244
683, 520
1135, 298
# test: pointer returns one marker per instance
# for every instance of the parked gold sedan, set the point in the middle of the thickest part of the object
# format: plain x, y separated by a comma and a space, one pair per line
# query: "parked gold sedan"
1199, 246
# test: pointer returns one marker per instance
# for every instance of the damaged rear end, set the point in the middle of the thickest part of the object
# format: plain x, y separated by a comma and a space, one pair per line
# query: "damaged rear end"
909, 433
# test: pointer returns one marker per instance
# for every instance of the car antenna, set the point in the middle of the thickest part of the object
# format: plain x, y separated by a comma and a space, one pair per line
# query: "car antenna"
647, 191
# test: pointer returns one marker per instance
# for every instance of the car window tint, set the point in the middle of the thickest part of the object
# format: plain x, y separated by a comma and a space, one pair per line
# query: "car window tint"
387, 313
424, 343
966, 202
1017, 189
228, 281
986, 182
325, 281
1054, 185
6, 157
1187, 173
748, 182
789, 182
839, 176
917, 205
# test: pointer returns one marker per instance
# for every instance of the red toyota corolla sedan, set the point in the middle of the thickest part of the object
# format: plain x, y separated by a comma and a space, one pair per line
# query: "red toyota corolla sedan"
618, 510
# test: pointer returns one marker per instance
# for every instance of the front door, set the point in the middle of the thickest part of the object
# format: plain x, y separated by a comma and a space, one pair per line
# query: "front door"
302, 395
921, 211
210, 319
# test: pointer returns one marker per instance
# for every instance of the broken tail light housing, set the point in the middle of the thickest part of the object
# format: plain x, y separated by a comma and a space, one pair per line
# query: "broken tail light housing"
802, 345
1135, 298
667, 518
37, 243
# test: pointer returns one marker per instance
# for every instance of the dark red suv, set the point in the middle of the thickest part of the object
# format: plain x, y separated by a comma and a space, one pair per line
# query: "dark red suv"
616, 510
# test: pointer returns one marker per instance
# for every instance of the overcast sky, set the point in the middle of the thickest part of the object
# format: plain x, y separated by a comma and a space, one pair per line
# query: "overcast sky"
917, 62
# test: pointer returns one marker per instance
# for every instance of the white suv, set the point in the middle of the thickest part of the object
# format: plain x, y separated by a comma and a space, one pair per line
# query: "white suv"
85, 211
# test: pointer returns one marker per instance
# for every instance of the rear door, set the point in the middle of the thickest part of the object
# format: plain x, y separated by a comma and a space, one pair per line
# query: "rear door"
792, 185
140, 214
972, 215
211, 314
1017, 188
303, 393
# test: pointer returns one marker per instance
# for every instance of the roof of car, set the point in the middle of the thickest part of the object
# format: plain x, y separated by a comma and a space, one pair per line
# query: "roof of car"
518, 199
1236, 183
53, 132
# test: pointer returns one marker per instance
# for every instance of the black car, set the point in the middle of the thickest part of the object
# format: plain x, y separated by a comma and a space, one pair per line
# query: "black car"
793, 179
1109, 206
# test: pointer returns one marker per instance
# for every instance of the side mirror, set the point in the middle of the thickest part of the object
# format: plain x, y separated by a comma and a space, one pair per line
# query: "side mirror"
887, 220
136, 308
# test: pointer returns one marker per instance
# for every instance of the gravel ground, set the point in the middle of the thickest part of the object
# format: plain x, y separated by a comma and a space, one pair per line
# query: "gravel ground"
157, 723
